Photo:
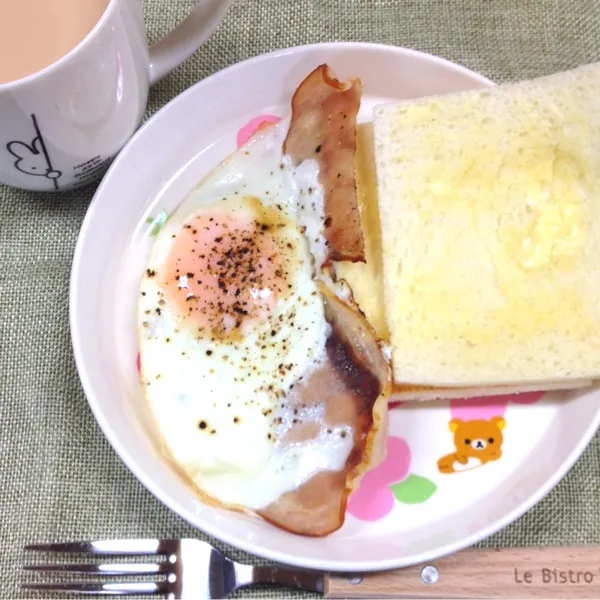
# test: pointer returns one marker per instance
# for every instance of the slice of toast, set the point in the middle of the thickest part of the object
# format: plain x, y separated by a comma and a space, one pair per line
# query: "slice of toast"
489, 204
366, 282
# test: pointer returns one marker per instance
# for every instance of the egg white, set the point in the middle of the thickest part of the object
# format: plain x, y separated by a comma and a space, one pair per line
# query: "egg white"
237, 393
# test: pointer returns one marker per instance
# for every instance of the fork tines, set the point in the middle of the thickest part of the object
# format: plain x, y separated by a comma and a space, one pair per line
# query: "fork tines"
101, 547
148, 547
101, 589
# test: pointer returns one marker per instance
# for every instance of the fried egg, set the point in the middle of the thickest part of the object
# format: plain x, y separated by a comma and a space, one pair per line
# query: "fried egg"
231, 320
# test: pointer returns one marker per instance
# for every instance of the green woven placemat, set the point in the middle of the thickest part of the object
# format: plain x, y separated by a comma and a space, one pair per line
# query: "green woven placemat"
60, 479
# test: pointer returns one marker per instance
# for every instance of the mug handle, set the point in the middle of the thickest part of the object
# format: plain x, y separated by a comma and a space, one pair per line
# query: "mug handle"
186, 38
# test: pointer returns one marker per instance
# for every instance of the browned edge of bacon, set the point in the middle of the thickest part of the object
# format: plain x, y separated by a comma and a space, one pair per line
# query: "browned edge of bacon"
354, 385
323, 127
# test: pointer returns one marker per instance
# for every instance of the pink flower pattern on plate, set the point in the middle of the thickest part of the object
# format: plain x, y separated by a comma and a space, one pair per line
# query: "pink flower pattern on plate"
374, 499
250, 128
484, 408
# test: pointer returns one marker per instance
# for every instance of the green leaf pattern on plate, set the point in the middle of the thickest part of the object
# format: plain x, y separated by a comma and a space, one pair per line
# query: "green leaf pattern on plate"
157, 222
414, 489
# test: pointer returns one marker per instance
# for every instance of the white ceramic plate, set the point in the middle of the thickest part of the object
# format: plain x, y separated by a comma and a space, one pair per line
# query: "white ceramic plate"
407, 511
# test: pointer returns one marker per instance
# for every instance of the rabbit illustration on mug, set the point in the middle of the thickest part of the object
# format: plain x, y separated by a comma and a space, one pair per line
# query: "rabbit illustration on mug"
33, 159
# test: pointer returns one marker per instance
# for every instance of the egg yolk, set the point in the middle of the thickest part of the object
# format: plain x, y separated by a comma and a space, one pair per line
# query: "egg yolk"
228, 267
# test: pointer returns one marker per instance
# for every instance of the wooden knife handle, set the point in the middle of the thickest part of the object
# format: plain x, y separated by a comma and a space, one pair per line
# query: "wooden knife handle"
548, 573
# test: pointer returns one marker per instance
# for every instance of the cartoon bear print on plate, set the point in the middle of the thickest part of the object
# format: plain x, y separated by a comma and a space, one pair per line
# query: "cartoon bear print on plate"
478, 425
476, 442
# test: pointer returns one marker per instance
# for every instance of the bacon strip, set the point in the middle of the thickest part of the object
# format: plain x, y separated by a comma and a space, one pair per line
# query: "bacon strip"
354, 385
323, 127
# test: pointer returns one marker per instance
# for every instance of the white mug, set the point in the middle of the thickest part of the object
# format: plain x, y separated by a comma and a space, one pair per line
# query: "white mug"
61, 126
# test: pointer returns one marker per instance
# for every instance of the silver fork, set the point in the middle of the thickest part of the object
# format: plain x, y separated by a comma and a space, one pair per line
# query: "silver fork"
190, 569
